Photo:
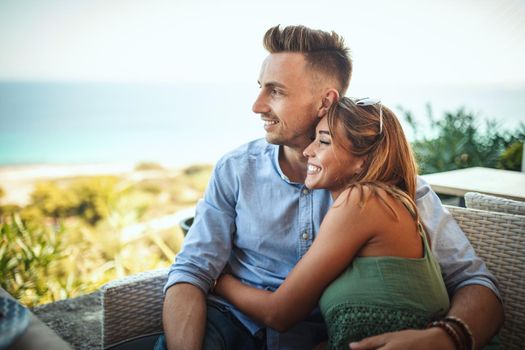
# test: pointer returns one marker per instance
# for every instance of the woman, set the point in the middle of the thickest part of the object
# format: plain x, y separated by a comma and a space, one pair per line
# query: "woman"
370, 268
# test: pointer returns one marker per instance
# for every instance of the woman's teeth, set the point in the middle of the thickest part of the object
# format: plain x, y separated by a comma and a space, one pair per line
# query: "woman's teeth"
312, 169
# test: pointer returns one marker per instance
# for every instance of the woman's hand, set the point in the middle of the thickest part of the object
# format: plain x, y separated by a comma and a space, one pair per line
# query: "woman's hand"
321, 346
431, 338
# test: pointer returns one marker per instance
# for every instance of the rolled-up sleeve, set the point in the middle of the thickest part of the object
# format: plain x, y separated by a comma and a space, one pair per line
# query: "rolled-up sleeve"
459, 263
207, 246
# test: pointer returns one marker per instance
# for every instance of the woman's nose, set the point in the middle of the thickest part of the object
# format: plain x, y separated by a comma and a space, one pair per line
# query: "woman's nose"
309, 150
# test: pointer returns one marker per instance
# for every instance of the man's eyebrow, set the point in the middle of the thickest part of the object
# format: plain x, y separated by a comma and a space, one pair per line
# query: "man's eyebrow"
271, 84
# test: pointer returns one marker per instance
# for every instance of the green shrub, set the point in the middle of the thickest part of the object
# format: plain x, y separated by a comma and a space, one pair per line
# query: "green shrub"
9, 209
94, 197
144, 166
89, 198
53, 200
511, 158
151, 187
458, 141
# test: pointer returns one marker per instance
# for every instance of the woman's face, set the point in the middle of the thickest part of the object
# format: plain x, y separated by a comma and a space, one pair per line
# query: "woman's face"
331, 165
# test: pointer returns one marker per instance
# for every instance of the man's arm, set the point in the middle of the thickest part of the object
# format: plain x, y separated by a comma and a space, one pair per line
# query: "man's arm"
184, 322
480, 309
476, 305
203, 256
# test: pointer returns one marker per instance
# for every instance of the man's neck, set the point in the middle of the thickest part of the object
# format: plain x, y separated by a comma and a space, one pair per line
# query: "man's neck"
292, 163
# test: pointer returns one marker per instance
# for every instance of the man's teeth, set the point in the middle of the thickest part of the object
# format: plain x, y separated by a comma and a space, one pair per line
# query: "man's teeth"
270, 122
313, 168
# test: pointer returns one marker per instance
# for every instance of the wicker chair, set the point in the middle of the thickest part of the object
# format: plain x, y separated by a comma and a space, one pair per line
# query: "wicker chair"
481, 201
132, 306
499, 239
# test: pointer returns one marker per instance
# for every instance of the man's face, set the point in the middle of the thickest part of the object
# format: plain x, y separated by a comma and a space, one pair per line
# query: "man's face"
287, 103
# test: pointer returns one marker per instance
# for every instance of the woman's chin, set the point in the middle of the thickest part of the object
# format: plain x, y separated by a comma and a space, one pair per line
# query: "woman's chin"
310, 184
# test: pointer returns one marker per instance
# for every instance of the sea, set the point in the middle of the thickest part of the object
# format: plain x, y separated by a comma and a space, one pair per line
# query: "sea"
178, 125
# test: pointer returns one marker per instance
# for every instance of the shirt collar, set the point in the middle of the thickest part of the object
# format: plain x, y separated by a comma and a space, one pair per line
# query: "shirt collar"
276, 151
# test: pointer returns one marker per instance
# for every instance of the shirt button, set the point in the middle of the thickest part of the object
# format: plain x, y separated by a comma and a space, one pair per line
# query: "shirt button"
305, 191
305, 235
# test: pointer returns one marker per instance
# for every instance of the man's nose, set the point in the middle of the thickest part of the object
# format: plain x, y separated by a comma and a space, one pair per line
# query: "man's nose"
260, 105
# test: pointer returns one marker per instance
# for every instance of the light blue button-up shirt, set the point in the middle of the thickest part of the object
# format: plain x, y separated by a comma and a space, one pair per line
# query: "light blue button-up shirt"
259, 223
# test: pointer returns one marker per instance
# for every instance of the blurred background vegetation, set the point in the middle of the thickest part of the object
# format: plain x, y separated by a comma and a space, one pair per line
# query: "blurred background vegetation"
458, 140
78, 233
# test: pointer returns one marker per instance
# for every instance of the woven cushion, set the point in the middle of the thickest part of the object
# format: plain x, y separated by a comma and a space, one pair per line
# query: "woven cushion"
481, 201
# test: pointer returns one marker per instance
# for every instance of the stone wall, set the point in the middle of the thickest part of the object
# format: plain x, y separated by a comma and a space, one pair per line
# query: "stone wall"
77, 320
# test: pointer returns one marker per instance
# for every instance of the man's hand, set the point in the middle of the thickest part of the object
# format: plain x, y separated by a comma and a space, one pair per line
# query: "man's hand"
184, 316
428, 339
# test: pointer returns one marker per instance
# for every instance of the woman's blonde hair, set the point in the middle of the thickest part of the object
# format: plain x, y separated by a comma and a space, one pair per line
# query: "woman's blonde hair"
376, 134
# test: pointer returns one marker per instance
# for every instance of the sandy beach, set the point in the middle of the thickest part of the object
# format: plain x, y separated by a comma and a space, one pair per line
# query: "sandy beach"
18, 181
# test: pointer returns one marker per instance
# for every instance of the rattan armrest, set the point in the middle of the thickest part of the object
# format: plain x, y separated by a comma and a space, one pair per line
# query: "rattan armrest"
132, 307
482, 201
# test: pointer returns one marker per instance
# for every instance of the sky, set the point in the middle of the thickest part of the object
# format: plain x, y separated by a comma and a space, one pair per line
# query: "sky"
403, 42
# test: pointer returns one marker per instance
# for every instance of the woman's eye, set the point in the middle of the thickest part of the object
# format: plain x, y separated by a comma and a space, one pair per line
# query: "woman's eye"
324, 142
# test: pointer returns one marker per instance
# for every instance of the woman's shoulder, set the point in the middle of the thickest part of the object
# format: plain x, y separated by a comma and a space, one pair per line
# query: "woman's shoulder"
360, 195
354, 205
370, 201
378, 212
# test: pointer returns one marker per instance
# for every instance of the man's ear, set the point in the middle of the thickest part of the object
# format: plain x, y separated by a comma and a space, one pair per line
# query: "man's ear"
330, 97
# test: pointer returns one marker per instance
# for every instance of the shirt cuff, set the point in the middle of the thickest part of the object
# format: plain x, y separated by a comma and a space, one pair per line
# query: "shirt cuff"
480, 282
177, 277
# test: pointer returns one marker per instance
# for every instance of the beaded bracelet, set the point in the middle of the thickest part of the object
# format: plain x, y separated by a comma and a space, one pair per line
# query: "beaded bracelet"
451, 331
467, 334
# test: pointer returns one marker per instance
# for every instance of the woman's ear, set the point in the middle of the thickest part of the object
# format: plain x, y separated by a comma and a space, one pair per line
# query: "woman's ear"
359, 166
330, 97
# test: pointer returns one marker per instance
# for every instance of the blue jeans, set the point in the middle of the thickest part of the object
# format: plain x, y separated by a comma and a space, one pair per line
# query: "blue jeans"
223, 332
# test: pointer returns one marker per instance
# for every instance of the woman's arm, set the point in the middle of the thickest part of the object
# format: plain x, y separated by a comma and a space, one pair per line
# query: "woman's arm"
345, 229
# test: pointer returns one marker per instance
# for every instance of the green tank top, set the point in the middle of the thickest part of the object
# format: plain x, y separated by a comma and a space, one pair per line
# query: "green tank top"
382, 294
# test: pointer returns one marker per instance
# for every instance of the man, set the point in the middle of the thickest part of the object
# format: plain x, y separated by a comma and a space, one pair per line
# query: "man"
258, 219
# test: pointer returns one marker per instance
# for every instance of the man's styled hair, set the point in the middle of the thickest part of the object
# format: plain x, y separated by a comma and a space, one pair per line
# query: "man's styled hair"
325, 52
